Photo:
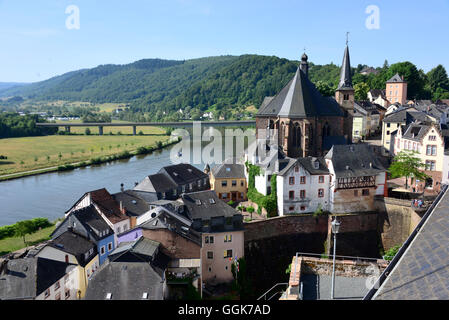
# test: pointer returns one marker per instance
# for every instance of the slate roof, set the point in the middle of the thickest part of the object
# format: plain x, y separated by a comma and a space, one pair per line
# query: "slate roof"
74, 244
359, 157
109, 207
93, 222
307, 163
396, 79
183, 173
156, 183
133, 203
229, 170
27, 278
165, 219
422, 271
330, 141
345, 74
125, 281
416, 132
375, 93
207, 209
300, 99
407, 116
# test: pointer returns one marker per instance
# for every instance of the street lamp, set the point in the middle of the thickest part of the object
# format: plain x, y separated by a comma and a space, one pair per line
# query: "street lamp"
335, 228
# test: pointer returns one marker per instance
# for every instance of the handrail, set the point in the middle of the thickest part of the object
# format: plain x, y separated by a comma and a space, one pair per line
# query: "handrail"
278, 284
404, 247
337, 256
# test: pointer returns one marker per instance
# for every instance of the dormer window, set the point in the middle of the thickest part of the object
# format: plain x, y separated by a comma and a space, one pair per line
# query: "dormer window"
316, 164
228, 169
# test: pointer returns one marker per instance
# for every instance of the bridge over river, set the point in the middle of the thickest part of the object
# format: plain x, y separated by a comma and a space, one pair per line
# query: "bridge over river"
134, 125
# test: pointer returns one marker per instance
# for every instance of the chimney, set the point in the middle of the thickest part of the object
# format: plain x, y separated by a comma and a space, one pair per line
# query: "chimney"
122, 209
3, 267
122, 187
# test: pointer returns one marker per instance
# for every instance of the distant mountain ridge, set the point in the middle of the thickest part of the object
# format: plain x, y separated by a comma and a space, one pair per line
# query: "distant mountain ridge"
151, 85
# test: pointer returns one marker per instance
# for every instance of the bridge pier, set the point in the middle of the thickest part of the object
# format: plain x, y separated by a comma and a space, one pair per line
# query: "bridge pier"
134, 130
67, 129
100, 130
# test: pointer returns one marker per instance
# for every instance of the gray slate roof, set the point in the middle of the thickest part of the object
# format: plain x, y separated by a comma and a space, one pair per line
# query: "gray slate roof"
76, 245
93, 222
359, 157
125, 281
422, 273
134, 204
229, 170
416, 132
345, 75
396, 79
300, 99
307, 163
28, 277
406, 115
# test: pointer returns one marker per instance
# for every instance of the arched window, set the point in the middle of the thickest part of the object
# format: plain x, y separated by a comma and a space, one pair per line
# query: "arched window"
326, 130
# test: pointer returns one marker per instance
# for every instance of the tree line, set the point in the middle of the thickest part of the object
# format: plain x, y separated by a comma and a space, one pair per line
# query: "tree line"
14, 125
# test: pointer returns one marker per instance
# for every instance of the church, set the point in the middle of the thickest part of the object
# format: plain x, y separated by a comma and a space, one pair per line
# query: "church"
307, 123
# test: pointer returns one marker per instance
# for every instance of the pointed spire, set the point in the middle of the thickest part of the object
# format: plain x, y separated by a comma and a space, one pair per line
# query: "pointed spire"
345, 76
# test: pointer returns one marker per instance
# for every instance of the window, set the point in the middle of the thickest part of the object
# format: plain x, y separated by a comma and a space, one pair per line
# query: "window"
269, 178
365, 192
174, 192
66, 258
430, 165
291, 209
211, 239
388, 125
224, 195
291, 180
199, 183
321, 179
432, 138
191, 186
109, 246
228, 254
234, 183
67, 293
388, 133
431, 150
102, 250
303, 208
57, 285
303, 180
296, 169
206, 239
58, 296
210, 254
47, 293
291, 195
228, 238
224, 183
242, 183
320, 193
183, 189
302, 194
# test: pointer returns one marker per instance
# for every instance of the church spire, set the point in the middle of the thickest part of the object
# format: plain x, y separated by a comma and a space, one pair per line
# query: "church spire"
304, 66
345, 76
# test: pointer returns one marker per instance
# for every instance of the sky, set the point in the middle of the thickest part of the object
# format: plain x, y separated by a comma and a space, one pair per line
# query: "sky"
40, 40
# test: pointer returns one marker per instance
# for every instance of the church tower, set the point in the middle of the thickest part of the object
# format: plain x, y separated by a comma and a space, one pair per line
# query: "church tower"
345, 94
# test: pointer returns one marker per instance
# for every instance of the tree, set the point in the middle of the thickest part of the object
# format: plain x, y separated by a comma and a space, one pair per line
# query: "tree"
242, 284
325, 89
87, 131
437, 78
361, 91
407, 164
23, 228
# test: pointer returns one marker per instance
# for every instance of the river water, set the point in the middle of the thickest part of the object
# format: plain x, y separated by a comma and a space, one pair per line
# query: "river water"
50, 195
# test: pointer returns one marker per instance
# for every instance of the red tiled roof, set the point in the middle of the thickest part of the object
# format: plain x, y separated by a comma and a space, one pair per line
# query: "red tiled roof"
108, 205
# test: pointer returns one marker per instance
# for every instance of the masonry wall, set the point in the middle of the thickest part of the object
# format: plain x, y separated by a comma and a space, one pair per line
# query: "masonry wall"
173, 244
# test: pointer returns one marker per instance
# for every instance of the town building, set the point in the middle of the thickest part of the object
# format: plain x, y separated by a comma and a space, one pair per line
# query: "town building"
136, 271
302, 186
367, 119
396, 90
108, 208
38, 278
172, 181
428, 142
74, 249
228, 180
88, 223
356, 177
222, 234
302, 119
133, 204
400, 117
378, 96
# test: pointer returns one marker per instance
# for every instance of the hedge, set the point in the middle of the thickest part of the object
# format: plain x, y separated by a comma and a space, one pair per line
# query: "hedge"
36, 223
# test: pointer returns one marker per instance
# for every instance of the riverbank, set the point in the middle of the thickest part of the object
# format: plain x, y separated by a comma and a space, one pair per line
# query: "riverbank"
93, 160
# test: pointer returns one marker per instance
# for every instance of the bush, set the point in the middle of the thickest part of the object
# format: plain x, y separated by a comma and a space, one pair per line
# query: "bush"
32, 225
389, 255
159, 144
3, 157
7, 231
95, 161
87, 132
231, 203
250, 209
142, 150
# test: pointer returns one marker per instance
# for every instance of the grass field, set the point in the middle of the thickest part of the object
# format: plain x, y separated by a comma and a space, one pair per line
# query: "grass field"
32, 153
114, 130
16, 243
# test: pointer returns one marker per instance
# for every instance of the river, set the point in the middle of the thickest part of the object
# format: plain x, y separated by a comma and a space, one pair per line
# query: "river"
50, 195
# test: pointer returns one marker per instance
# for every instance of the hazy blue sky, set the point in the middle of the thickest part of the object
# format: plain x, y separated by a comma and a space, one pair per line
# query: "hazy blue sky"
36, 45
